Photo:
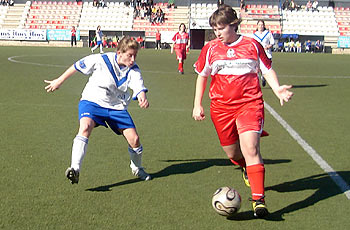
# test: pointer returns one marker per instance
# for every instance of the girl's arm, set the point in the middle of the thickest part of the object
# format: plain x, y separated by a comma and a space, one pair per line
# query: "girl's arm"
56, 83
198, 111
282, 92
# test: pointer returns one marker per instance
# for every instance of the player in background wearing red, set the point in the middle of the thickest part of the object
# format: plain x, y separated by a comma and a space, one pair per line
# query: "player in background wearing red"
181, 46
73, 40
237, 107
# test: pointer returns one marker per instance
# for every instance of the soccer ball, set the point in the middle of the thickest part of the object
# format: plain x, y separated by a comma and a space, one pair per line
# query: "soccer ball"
226, 201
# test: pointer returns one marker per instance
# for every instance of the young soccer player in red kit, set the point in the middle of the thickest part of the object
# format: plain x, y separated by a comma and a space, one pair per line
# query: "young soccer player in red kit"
237, 107
181, 46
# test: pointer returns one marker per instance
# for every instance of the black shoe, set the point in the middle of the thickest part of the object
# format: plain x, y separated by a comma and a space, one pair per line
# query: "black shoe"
259, 207
72, 175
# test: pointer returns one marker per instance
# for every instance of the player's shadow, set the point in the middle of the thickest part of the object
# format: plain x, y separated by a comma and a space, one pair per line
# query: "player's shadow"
184, 167
322, 184
306, 86
309, 86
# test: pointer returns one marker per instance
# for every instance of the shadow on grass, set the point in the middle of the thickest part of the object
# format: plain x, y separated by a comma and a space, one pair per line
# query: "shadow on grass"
306, 86
309, 86
322, 184
184, 167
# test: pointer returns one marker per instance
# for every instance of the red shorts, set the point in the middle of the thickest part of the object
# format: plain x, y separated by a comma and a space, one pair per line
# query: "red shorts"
180, 54
229, 122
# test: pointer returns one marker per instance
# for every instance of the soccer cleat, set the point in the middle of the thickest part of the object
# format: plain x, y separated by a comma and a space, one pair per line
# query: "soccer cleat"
259, 208
72, 175
181, 72
140, 173
245, 177
263, 81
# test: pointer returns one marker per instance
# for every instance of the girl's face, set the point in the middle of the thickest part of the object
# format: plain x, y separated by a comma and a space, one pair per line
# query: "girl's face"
182, 28
261, 26
127, 58
226, 33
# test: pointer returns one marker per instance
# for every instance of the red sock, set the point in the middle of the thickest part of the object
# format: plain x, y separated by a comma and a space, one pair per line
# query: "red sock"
240, 162
256, 176
180, 66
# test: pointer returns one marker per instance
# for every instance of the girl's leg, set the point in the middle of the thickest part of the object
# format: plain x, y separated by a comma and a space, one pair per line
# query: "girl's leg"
250, 147
80, 143
135, 150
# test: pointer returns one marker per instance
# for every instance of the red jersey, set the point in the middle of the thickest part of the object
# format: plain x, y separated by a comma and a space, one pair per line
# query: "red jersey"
139, 39
158, 35
73, 31
234, 70
180, 40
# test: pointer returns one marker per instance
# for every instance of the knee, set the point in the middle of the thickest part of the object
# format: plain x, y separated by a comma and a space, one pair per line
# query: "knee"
251, 150
86, 128
134, 141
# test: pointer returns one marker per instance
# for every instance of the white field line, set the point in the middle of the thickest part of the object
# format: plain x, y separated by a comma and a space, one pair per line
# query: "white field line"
15, 60
345, 188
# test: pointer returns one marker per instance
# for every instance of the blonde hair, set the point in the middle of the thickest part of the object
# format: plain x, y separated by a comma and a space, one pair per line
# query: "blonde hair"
224, 15
127, 43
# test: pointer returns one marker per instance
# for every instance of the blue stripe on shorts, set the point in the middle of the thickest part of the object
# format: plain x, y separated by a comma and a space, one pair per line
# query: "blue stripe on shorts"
115, 119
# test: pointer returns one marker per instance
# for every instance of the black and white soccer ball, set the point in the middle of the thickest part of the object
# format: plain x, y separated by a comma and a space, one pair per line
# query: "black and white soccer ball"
226, 201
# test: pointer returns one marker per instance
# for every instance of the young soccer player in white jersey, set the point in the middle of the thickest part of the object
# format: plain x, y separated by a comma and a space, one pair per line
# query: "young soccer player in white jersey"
237, 107
98, 35
265, 37
104, 101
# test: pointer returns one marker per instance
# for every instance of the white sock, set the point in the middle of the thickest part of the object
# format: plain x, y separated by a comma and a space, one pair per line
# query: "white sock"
135, 157
78, 151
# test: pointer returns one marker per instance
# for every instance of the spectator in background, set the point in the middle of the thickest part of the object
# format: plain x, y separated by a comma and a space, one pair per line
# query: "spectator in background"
243, 6
115, 41
331, 3
318, 46
171, 4
96, 3
105, 41
308, 6
11, 2
141, 41
73, 39
292, 5
102, 3
314, 6
298, 46
285, 5
291, 46
286, 45
158, 40
308, 46
150, 3
220, 2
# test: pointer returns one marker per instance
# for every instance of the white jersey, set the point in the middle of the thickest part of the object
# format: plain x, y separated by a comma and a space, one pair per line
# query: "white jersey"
99, 35
108, 85
265, 38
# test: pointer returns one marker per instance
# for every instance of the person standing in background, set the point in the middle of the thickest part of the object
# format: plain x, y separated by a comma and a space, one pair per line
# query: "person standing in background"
73, 39
158, 40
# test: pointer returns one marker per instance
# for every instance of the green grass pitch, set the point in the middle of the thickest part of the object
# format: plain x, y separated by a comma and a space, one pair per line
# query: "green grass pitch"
184, 156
